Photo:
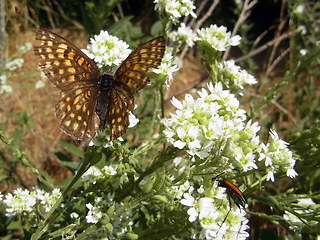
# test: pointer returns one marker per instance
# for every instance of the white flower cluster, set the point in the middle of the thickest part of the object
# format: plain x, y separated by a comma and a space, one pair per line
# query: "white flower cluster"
214, 121
4, 86
218, 37
12, 65
24, 202
107, 50
169, 65
184, 34
277, 157
43, 78
175, 8
234, 77
121, 223
215, 217
94, 174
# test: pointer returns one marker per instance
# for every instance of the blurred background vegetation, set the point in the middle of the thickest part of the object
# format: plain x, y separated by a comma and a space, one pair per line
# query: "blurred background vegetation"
279, 46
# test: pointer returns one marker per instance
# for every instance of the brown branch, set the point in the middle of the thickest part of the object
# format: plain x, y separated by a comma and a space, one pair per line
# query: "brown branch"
203, 3
281, 26
208, 14
245, 13
276, 61
268, 44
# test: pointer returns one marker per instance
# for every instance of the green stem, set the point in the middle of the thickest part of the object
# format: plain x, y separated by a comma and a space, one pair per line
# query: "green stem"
89, 160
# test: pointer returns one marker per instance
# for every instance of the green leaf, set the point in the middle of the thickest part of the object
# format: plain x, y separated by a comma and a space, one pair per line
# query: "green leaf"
72, 149
156, 29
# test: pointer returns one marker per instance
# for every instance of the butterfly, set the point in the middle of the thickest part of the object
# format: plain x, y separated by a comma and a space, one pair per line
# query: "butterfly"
88, 99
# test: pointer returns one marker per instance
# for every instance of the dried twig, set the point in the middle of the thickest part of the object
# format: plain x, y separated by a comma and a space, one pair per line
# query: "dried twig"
199, 9
268, 44
276, 61
245, 13
283, 21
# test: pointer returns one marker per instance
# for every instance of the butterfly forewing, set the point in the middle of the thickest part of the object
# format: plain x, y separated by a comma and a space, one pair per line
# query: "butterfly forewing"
64, 63
134, 71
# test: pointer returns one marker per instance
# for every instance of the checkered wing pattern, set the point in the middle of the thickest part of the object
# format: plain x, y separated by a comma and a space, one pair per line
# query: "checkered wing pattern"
131, 76
118, 111
134, 71
77, 76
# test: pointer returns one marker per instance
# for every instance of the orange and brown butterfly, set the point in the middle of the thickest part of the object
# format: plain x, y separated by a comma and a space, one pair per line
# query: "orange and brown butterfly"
90, 100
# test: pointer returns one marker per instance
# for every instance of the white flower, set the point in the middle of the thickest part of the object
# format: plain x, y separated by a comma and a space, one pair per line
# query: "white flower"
184, 34
270, 175
299, 9
40, 84
48, 200
188, 200
303, 51
292, 173
91, 175
168, 67
107, 50
193, 214
101, 139
4, 87
133, 120
74, 215
175, 8
14, 64
109, 170
94, 214
24, 48
277, 157
218, 37
234, 78
21, 201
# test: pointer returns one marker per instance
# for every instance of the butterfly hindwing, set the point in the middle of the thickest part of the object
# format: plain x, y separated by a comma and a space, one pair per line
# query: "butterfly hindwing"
134, 71
76, 109
121, 102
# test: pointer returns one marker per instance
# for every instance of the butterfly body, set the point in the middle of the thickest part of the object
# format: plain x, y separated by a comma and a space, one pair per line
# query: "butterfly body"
90, 100
106, 84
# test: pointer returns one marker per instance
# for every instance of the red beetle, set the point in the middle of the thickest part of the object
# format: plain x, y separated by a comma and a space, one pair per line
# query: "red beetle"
233, 192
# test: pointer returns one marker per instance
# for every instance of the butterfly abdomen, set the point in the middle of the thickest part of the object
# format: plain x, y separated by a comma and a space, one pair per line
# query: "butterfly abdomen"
106, 83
